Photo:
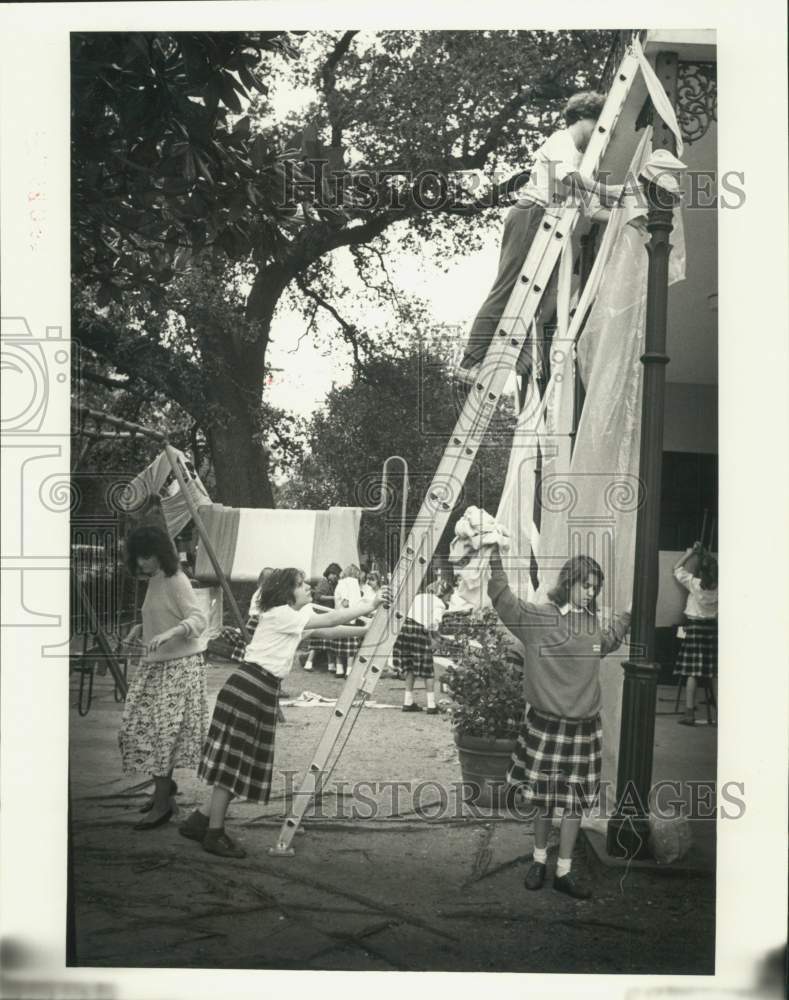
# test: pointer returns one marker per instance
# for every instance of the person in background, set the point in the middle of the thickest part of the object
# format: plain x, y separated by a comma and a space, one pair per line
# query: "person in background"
323, 595
698, 653
412, 655
346, 594
165, 716
371, 585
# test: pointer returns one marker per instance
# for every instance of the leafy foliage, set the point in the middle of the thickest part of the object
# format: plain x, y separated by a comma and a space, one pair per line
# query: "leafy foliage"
486, 685
179, 162
403, 405
158, 165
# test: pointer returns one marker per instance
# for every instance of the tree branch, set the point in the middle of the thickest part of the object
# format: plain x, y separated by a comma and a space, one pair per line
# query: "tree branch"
329, 84
328, 77
142, 358
350, 332
104, 380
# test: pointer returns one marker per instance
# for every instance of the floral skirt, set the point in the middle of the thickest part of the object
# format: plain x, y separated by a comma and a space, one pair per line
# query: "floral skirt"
165, 718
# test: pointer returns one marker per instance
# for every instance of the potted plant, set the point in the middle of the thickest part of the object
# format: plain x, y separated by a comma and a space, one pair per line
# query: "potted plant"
486, 685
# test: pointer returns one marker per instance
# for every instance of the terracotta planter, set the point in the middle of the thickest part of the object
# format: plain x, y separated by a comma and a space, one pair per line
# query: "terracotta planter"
483, 766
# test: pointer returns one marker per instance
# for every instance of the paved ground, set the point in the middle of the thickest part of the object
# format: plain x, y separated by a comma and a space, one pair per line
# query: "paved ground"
373, 885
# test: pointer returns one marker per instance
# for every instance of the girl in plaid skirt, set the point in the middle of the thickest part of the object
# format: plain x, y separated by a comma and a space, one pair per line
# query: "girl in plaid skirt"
412, 655
323, 594
347, 592
238, 754
698, 654
557, 759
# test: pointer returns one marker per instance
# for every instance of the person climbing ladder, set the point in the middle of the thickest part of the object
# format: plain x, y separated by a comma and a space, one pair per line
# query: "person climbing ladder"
554, 176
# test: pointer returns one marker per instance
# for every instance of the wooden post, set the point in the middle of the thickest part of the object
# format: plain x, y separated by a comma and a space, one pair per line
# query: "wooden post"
172, 458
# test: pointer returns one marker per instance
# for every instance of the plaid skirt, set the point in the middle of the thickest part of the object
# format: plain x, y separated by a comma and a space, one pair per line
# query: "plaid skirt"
316, 643
413, 652
698, 652
346, 646
238, 754
557, 763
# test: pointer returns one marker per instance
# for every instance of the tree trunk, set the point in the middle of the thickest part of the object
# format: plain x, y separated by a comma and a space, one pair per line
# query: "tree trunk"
240, 461
234, 430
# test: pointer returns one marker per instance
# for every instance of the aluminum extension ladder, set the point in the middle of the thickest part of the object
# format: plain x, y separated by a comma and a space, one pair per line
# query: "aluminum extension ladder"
557, 228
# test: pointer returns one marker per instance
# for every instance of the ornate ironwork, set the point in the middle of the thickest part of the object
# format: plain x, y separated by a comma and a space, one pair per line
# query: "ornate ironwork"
697, 98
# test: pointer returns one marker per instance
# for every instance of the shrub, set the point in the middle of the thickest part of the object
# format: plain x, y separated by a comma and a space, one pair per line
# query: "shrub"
487, 683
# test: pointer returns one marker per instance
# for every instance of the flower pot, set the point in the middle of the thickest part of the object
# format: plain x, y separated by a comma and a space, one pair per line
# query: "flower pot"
483, 766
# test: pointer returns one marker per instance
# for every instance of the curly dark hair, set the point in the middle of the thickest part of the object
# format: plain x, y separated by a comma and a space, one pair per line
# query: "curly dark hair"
277, 589
150, 540
333, 569
576, 570
587, 104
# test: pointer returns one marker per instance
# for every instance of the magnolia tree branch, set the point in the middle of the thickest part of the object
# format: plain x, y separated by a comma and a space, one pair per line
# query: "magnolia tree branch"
349, 331
143, 358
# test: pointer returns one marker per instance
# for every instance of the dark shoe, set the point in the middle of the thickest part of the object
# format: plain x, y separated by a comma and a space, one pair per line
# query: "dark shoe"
535, 876
220, 844
146, 824
431, 711
195, 827
413, 707
568, 885
147, 806
688, 719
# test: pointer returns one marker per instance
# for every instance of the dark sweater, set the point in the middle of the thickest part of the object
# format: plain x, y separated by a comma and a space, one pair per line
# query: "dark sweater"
563, 649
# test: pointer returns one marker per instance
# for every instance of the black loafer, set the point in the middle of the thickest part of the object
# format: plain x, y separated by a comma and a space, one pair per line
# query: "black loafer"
221, 845
535, 876
568, 885
413, 707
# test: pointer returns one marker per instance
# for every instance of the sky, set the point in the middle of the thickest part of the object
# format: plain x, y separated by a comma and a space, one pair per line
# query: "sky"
308, 374
453, 298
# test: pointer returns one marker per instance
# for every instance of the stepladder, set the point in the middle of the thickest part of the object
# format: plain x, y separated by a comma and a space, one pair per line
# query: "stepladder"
557, 226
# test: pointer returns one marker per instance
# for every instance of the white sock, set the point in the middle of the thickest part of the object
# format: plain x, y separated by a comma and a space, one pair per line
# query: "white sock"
408, 698
541, 855
431, 699
563, 866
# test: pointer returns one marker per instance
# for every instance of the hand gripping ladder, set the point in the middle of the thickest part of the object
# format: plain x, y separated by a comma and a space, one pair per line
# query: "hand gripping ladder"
477, 411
